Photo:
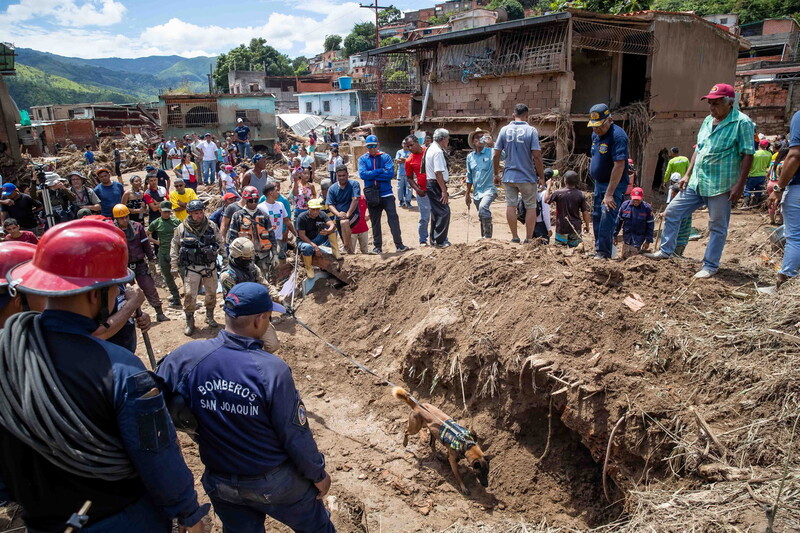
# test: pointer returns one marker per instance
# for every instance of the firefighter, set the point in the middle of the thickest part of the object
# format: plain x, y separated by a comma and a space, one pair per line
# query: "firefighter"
195, 246
100, 430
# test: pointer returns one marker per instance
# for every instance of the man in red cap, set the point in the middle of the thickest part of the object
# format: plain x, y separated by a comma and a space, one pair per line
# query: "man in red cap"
716, 177
113, 443
636, 221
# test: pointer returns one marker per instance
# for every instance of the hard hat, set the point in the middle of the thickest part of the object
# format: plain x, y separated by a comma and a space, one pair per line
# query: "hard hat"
101, 170
120, 210
242, 247
13, 253
250, 192
675, 177
74, 257
195, 205
316, 203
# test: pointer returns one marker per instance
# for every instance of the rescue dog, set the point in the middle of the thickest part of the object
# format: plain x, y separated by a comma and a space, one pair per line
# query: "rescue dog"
460, 442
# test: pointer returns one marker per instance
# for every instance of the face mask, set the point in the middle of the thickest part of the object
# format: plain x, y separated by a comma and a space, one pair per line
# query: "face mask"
242, 262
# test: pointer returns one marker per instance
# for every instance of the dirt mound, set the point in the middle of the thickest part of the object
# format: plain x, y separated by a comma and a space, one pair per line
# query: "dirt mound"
541, 352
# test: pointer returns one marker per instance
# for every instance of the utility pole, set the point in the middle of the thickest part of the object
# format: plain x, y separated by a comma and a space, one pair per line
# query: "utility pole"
377, 9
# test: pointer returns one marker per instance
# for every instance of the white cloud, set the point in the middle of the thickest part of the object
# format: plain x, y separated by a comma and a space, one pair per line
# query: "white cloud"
65, 12
292, 34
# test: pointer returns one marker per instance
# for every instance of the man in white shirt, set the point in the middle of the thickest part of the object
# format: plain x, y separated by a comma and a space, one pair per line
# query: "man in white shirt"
438, 176
307, 160
336, 131
278, 217
209, 150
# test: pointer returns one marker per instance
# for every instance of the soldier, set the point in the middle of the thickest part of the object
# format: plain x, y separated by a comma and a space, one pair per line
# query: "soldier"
112, 442
195, 246
255, 225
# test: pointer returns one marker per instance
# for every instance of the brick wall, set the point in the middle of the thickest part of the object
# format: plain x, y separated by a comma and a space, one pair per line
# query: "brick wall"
496, 96
765, 104
746, 60
400, 104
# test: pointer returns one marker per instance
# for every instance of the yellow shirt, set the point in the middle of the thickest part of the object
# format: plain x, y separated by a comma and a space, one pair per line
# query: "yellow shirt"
187, 196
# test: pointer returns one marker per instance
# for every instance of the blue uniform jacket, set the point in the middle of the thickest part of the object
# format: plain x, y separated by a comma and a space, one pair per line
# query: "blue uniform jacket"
250, 416
108, 384
377, 171
636, 223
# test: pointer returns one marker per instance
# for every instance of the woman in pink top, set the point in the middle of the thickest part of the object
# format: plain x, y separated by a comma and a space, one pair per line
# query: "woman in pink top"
303, 190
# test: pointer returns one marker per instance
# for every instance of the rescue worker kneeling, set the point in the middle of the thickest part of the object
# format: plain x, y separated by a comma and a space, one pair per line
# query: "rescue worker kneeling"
195, 245
252, 428
242, 268
315, 229
100, 430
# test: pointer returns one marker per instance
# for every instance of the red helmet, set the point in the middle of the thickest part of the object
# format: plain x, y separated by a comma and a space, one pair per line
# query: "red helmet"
249, 193
74, 257
13, 253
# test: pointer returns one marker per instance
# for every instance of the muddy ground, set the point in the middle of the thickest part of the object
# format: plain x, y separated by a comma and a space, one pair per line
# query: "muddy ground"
537, 350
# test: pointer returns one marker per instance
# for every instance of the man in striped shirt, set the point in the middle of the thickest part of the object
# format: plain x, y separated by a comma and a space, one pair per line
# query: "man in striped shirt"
716, 177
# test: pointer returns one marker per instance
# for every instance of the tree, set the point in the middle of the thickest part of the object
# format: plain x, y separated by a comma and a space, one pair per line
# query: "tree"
333, 42
360, 39
391, 40
300, 65
513, 8
258, 55
389, 16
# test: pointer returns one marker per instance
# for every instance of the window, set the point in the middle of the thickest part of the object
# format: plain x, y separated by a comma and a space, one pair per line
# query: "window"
308, 107
254, 88
326, 106
723, 21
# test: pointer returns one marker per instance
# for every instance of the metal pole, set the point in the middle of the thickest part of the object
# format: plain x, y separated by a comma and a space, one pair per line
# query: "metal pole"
378, 45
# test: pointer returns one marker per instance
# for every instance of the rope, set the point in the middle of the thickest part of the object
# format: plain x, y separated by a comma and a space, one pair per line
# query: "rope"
35, 408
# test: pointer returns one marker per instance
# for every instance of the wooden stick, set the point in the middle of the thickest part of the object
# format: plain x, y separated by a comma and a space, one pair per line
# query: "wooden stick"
461, 376
705, 427
608, 454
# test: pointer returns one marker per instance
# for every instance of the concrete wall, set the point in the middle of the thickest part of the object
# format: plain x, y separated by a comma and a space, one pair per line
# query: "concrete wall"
342, 104
239, 81
593, 74
497, 96
664, 134
265, 130
692, 57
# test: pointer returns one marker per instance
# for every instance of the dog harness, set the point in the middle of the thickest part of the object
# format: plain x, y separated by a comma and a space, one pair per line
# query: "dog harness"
456, 437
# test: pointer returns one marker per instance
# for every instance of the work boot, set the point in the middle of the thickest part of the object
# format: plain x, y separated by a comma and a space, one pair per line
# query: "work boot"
160, 316
175, 301
210, 318
486, 228
189, 329
334, 240
680, 249
309, 267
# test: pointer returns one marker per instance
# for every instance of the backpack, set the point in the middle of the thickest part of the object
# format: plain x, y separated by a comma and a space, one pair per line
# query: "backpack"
522, 210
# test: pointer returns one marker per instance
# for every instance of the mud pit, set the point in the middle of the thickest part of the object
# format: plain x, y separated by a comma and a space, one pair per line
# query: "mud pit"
552, 359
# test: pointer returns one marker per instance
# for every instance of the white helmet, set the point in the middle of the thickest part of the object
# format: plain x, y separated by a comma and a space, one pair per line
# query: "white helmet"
675, 177
242, 247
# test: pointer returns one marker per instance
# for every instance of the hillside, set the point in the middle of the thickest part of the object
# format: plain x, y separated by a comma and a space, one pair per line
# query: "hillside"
32, 86
106, 79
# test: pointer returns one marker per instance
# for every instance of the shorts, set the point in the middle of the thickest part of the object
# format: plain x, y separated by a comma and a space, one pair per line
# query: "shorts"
528, 191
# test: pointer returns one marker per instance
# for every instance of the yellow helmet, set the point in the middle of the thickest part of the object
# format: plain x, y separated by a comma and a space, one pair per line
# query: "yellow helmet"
120, 210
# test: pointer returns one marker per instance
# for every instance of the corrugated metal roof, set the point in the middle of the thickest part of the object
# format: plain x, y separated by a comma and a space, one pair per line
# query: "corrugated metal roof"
302, 124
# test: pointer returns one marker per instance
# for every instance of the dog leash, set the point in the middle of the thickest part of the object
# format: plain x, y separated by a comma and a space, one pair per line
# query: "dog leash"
290, 311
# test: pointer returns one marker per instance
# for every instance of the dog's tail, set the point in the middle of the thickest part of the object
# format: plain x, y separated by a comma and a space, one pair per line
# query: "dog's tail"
401, 394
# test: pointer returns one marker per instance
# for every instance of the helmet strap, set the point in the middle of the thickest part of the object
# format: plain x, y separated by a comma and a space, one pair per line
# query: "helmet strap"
102, 315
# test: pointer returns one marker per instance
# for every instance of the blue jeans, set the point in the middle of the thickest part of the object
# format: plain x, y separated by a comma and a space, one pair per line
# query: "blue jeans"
790, 206
483, 205
604, 221
244, 149
424, 204
319, 240
283, 494
137, 517
755, 186
404, 192
209, 171
719, 214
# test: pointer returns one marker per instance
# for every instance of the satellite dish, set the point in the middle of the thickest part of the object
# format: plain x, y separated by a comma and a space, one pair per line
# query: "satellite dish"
502, 14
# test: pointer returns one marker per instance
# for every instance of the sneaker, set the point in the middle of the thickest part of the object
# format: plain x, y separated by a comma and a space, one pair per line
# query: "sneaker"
515, 240
403, 248
424, 244
376, 251
661, 254
705, 274
445, 244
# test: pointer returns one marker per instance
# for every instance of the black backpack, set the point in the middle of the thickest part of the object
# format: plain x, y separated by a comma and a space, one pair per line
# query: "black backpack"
522, 210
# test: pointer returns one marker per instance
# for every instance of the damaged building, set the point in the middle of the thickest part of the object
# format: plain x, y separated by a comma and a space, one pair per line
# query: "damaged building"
650, 67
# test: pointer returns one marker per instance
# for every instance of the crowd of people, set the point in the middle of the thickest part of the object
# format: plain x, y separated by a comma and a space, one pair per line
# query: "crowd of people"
69, 269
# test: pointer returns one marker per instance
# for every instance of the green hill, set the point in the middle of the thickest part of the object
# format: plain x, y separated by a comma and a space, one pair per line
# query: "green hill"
32, 86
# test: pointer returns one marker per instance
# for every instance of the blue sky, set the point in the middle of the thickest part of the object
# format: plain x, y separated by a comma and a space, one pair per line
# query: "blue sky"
136, 28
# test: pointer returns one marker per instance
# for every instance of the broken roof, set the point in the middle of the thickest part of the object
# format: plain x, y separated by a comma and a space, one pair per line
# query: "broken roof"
302, 124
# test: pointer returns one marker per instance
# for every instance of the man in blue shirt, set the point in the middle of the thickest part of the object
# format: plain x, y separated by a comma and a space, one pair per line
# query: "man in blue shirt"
252, 427
608, 164
377, 170
404, 192
110, 194
342, 202
242, 132
787, 192
480, 179
523, 171
124, 456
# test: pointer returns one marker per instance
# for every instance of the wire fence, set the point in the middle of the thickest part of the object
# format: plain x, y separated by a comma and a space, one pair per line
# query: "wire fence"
612, 38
